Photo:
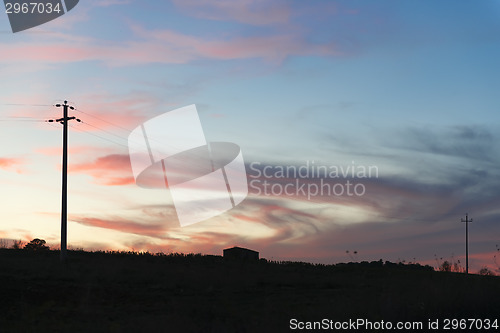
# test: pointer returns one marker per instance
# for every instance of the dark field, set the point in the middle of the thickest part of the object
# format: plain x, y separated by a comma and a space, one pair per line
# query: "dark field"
98, 292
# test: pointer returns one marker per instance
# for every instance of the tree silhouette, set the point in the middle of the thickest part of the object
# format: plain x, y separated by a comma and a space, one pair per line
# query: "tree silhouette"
36, 245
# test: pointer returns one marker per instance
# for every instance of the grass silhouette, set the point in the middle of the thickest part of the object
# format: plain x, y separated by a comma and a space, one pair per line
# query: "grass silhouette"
127, 291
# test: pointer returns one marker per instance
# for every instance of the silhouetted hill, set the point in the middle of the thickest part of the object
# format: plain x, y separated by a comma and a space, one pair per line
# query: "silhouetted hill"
119, 292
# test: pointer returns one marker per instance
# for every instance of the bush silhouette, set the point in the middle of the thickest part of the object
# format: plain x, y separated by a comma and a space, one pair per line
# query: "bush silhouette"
36, 245
17, 245
486, 271
445, 267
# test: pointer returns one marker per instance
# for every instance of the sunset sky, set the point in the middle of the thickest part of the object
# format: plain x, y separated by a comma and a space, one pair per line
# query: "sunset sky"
409, 88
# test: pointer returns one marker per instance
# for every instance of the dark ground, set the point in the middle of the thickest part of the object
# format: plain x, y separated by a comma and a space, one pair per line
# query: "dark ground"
98, 292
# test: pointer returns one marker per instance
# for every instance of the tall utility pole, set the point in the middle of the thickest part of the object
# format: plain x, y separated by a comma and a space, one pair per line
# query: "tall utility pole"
64, 204
467, 221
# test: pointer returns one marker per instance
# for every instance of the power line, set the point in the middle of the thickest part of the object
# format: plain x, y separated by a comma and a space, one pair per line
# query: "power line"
109, 123
100, 129
128, 131
126, 139
139, 138
20, 104
26, 120
105, 131
98, 136
103, 120
20, 118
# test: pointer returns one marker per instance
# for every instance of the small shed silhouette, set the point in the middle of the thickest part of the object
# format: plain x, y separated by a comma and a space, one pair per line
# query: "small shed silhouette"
239, 253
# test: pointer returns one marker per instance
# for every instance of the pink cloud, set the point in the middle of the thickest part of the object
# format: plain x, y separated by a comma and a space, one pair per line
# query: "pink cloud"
11, 164
123, 225
73, 150
113, 162
164, 46
110, 170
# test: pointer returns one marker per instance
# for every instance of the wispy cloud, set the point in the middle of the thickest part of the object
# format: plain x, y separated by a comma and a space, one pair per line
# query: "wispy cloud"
11, 164
391, 221
466, 141
107, 3
260, 12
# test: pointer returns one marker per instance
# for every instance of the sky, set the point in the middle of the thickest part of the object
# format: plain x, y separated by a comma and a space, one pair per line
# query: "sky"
402, 97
